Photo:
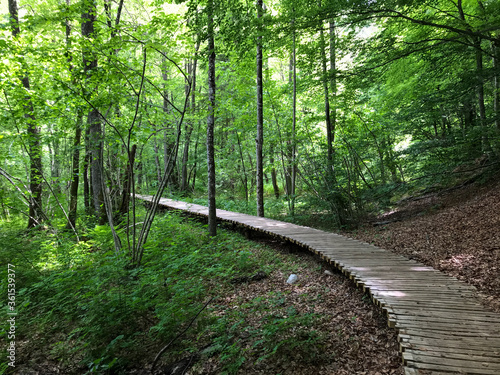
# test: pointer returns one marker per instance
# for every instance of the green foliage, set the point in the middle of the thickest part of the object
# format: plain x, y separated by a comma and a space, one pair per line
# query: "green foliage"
281, 334
81, 303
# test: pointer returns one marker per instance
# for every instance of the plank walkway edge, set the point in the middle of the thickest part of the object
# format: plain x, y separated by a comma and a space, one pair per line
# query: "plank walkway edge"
442, 326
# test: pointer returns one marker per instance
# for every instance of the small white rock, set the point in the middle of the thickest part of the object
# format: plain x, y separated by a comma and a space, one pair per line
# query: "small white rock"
292, 278
328, 272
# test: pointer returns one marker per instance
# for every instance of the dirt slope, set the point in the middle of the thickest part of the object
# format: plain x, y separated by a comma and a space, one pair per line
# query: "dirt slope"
457, 232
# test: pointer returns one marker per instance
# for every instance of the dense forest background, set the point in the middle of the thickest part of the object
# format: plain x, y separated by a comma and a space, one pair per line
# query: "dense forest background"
326, 111
350, 104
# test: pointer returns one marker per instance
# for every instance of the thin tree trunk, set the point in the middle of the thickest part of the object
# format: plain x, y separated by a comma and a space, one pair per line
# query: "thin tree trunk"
260, 119
93, 118
188, 129
34, 138
157, 154
86, 183
75, 169
245, 177
274, 178
485, 143
168, 144
252, 169
75, 175
294, 123
328, 80
327, 104
195, 166
333, 94
189, 125
127, 182
212, 213
55, 167
496, 82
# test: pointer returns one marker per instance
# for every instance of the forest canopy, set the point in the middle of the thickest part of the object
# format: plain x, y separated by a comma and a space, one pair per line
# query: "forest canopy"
274, 108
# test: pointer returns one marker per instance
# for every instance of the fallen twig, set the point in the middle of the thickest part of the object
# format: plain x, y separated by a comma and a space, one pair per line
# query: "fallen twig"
179, 335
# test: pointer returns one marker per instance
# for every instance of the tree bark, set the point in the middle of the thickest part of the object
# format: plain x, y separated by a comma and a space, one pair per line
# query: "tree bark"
485, 143
260, 118
245, 178
35, 214
75, 168
127, 182
75, 174
333, 93
188, 129
86, 183
294, 123
274, 178
212, 217
93, 118
496, 81
189, 124
330, 125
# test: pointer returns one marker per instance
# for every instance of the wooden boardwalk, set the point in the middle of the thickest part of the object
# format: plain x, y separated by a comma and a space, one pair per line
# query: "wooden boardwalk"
442, 326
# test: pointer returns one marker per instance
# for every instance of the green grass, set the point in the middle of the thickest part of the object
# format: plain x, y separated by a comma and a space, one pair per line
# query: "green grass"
83, 308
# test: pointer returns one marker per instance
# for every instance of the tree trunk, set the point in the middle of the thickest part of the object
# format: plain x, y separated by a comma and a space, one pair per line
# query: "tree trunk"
157, 155
260, 118
212, 213
485, 143
333, 93
274, 178
294, 124
75, 168
75, 174
189, 125
34, 144
55, 165
168, 144
93, 118
245, 177
330, 125
496, 82
127, 183
86, 183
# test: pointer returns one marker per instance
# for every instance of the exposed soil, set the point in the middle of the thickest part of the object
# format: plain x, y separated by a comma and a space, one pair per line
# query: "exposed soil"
358, 340
456, 231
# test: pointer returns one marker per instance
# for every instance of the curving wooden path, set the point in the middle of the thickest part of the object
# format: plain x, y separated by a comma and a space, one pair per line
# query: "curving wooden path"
442, 326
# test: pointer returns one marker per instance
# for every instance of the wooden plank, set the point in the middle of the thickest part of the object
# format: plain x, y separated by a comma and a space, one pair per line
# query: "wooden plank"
442, 305
447, 317
435, 363
451, 313
465, 338
472, 356
442, 325
460, 328
445, 345
432, 369
405, 285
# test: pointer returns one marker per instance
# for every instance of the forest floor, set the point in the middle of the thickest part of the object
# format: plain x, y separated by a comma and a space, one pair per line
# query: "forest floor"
456, 231
322, 324
353, 333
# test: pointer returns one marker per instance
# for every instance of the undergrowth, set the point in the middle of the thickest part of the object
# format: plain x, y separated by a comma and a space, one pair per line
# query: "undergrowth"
82, 309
